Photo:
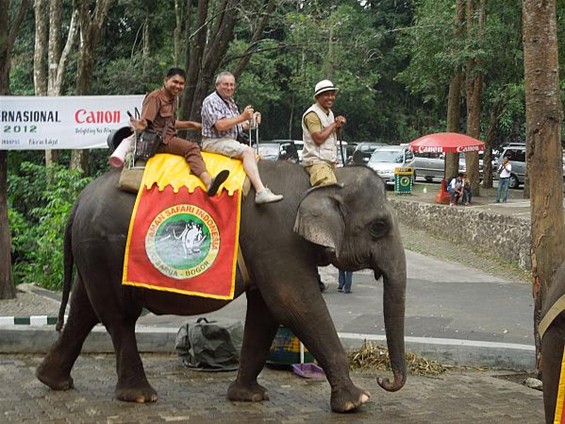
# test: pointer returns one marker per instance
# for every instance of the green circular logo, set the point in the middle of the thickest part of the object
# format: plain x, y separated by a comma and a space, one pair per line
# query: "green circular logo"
183, 241
405, 181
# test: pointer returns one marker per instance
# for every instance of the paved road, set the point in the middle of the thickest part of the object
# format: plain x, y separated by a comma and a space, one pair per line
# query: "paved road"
199, 397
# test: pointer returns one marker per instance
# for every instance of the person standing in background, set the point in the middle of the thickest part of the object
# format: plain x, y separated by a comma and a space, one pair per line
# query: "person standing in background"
345, 280
504, 172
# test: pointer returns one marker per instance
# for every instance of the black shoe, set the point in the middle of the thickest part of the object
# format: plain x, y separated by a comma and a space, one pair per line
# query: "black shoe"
218, 180
322, 286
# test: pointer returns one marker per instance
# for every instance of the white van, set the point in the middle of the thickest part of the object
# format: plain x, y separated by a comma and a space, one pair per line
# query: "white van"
385, 159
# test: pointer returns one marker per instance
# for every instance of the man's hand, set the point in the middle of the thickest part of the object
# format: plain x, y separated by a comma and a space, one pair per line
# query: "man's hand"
138, 125
248, 112
340, 121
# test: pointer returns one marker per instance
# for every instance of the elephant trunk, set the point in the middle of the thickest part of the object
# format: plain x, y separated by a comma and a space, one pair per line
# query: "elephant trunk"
394, 299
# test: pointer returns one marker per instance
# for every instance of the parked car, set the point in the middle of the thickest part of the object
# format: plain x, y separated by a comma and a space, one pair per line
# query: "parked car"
299, 144
431, 166
364, 150
385, 159
273, 150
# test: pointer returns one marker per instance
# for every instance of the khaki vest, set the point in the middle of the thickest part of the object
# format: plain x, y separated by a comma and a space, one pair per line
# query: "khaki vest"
327, 151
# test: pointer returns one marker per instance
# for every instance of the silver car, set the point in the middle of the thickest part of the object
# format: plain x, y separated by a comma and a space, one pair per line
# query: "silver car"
431, 166
385, 159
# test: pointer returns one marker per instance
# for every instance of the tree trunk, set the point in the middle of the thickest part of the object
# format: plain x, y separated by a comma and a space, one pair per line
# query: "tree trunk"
146, 45
208, 45
40, 48
474, 89
90, 27
543, 147
8, 33
57, 58
177, 31
7, 288
454, 98
256, 37
494, 117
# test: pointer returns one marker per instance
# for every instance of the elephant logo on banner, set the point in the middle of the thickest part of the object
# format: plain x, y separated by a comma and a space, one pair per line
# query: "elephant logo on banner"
182, 241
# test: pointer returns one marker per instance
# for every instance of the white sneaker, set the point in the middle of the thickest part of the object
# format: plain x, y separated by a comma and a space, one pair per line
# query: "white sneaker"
267, 196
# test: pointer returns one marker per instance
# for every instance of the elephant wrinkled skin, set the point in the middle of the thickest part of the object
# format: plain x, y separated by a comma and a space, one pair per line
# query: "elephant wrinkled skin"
352, 227
552, 344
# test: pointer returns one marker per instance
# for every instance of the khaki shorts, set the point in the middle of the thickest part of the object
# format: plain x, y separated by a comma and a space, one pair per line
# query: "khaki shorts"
321, 174
224, 146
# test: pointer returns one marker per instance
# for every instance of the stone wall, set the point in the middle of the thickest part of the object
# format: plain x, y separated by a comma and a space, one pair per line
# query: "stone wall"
505, 236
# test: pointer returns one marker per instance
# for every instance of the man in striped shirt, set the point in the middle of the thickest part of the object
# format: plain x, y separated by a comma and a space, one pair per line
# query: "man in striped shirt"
221, 125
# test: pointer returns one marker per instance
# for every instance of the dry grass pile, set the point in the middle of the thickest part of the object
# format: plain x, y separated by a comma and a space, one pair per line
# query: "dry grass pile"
373, 356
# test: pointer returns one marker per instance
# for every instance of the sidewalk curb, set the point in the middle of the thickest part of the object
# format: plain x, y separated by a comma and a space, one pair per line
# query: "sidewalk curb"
150, 339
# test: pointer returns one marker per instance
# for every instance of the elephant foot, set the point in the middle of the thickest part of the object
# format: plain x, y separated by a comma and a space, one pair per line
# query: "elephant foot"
247, 393
349, 399
51, 377
146, 394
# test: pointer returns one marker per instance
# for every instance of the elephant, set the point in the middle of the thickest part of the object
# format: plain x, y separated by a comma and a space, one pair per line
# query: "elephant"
350, 225
552, 332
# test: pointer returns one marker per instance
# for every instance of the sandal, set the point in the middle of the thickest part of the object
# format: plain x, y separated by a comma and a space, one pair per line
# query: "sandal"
218, 180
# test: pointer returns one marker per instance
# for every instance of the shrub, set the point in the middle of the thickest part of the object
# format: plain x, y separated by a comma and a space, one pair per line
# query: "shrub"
40, 201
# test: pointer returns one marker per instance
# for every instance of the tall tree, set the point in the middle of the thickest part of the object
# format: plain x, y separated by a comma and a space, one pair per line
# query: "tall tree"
49, 60
40, 49
91, 21
455, 88
543, 146
57, 58
475, 19
207, 43
209, 31
9, 27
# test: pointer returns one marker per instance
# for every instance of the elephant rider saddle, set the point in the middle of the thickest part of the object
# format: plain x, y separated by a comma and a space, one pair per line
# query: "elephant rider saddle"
179, 238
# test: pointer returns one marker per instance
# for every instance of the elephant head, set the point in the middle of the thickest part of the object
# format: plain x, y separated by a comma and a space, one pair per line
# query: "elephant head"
357, 229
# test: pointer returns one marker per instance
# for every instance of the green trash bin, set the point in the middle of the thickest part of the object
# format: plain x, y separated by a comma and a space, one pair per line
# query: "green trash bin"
403, 180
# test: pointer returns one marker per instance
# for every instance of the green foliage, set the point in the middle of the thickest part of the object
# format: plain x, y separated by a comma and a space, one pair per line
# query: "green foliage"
40, 201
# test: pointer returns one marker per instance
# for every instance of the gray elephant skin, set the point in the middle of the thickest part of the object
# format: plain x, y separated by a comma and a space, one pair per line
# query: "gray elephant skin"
552, 343
353, 227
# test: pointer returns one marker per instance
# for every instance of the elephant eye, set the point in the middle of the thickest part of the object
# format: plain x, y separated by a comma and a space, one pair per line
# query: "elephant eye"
378, 229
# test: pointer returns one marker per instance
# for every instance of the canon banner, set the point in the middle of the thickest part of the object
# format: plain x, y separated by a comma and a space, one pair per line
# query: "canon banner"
71, 122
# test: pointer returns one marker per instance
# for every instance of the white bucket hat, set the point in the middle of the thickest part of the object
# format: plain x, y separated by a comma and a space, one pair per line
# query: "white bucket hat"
323, 86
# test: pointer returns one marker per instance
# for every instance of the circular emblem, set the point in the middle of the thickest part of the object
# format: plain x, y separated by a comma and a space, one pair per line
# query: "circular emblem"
405, 181
183, 241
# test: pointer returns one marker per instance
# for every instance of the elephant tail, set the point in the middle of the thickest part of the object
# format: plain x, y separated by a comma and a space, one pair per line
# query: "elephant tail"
68, 262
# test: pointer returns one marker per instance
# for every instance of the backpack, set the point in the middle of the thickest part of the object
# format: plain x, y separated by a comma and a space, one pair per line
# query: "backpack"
210, 345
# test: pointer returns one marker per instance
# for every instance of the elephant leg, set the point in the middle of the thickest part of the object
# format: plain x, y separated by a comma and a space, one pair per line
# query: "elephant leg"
132, 383
119, 316
260, 330
305, 312
55, 369
552, 351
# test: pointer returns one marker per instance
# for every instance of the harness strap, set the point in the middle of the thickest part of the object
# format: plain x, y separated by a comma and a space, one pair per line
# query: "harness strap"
555, 310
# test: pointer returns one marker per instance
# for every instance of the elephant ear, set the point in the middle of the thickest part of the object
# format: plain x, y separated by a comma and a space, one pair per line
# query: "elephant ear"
319, 218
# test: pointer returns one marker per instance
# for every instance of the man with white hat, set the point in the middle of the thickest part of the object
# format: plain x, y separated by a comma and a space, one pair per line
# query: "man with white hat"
319, 133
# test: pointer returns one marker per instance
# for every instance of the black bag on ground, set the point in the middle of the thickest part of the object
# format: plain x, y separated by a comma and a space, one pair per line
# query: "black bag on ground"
210, 345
